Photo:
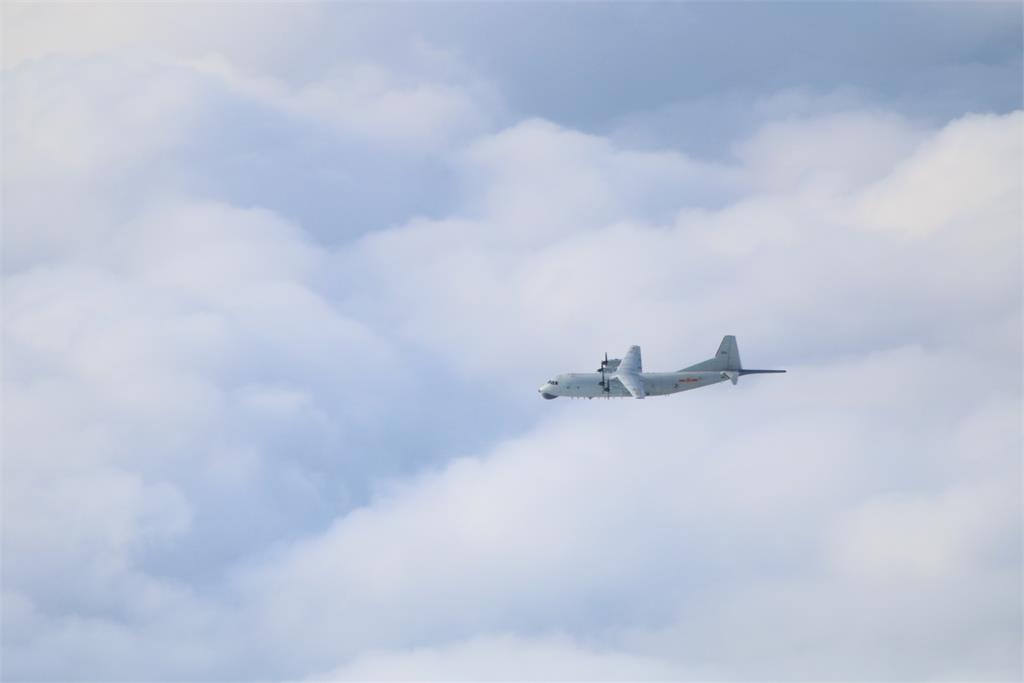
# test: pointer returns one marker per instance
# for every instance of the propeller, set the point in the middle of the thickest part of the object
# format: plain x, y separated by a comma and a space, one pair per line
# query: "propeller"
604, 378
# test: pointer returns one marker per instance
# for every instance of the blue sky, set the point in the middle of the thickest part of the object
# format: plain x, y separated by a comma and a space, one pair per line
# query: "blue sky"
280, 282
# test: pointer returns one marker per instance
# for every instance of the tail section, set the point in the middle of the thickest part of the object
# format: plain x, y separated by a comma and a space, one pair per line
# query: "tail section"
727, 361
727, 358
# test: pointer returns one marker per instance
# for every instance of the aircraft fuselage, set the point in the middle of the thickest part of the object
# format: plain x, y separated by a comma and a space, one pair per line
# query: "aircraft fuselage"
589, 384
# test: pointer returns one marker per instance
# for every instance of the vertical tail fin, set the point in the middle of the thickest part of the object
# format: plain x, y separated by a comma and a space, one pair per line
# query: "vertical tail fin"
730, 352
727, 358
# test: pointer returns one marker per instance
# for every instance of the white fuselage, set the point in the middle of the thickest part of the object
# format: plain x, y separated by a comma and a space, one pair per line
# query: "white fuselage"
589, 384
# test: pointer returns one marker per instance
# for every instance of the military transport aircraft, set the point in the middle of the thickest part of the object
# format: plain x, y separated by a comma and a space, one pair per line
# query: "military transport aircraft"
625, 377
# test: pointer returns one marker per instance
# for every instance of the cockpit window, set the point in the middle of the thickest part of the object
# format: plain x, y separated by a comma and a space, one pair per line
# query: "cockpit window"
553, 381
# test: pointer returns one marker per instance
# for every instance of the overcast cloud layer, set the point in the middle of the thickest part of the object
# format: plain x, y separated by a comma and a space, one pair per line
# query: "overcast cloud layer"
280, 282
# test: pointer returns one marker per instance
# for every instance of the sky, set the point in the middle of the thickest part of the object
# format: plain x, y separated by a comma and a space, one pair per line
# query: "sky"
280, 282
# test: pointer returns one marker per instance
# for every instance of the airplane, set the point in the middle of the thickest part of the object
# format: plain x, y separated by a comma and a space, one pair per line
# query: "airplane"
624, 377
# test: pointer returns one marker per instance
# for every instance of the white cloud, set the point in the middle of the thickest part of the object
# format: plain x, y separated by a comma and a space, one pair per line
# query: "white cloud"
541, 179
38, 32
370, 103
568, 494
503, 658
188, 373
970, 175
232, 450
595, 520
79, 119
547, 273
136, 127
927, 538
835, 151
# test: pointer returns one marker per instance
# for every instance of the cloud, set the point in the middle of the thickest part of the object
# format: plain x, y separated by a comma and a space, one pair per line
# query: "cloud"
579, 271
926, 539
841, 149
522, 659
274, 313
971, 169
548, 533
369, 103
551, 517
189, 374
37, 33
91, 129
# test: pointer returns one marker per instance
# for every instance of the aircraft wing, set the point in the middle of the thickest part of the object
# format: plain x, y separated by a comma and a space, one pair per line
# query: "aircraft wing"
631, 362
633, 382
